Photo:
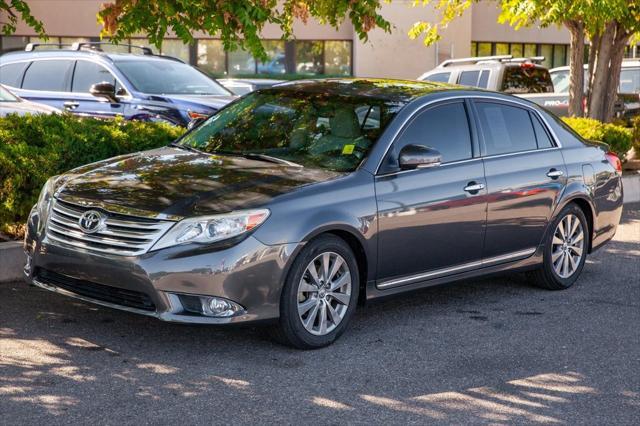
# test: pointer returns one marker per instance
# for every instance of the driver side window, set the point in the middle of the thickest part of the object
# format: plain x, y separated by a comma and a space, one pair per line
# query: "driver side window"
89, 73
443, 127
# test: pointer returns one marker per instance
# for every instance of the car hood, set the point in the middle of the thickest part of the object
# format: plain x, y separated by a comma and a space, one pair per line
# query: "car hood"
25, 107
172, 183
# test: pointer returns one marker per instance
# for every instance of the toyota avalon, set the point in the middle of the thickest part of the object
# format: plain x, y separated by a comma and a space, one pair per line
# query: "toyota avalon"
293, 203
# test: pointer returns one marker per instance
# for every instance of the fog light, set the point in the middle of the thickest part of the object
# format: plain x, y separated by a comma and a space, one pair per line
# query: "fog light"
218, 307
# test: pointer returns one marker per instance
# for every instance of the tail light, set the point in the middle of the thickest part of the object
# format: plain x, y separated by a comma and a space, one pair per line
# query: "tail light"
584, 105
613, 159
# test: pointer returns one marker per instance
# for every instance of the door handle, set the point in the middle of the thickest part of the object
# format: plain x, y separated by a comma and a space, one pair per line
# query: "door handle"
71, 105
473, 187
555, 174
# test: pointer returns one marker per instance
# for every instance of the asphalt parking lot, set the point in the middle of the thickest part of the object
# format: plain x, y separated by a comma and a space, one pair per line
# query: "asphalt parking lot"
494, 350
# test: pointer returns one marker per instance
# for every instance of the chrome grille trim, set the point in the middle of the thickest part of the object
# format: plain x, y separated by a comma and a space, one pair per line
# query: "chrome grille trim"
123, 235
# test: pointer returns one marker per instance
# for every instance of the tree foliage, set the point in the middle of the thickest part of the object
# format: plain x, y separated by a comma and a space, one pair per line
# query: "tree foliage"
236, 23
14, 11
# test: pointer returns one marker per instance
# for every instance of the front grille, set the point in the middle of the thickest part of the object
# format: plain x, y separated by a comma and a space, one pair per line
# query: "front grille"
104, 293
122, 235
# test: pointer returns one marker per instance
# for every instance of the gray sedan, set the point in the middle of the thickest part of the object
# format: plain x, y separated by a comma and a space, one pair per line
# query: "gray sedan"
295, 202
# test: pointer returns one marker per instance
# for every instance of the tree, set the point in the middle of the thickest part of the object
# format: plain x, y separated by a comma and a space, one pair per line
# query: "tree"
608, 24
14, 10
236, 23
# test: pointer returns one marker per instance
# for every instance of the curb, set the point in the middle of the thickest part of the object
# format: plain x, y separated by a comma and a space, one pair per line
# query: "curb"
11, 260
12, 257
631, 188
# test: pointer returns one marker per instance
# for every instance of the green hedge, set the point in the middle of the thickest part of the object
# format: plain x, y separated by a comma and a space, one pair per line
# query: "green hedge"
618, 138
33, 148
636, 135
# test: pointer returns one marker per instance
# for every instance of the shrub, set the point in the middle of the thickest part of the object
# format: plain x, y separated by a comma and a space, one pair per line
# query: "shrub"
35, 147
636, 135
617, 137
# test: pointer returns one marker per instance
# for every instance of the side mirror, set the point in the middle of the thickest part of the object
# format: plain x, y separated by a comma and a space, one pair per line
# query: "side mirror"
104, 90
418, 157
195, 122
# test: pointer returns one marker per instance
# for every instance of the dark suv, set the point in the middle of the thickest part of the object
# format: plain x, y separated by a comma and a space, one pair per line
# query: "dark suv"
83, 79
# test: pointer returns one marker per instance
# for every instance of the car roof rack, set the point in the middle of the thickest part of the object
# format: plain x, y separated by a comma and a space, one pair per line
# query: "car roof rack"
30, 47
490, 59
532, 59
473, 60
95, 45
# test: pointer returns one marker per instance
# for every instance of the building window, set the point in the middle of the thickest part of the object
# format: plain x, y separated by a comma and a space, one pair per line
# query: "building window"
309, 57
275, 64
337, 57
555, 55
211, 56
300, 57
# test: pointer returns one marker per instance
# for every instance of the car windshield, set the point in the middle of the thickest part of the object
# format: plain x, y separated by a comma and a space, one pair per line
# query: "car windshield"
334, 132
629, 81
167, 77
6, 96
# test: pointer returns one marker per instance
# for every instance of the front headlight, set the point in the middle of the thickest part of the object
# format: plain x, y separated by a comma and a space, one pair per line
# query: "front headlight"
210, 229
44, 201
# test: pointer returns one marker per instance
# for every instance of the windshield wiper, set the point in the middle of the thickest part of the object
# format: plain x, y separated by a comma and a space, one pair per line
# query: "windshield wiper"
269, 158
257, 156
186, 147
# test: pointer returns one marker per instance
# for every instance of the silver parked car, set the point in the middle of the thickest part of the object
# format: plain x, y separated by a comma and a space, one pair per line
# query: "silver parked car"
12, 104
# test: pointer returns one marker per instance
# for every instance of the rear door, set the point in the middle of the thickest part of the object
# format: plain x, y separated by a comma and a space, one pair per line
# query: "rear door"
525, 175
85, 75
431, 222
47, 81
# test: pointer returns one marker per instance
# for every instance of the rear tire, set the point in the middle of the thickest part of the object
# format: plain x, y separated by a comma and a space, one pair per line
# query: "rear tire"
319, 296
565, 250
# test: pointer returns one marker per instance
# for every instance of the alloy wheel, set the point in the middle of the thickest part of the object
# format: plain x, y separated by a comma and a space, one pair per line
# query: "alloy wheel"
324, 293
567, 246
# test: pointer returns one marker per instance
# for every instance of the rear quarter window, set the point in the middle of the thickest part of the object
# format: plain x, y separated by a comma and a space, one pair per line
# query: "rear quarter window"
525, 78
441, 77
11, 74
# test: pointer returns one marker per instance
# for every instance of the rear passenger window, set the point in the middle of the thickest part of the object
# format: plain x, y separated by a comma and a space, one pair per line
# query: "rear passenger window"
442, 77
11, 74
444, 128
544, 141
469, 78
47, 75
506, 129
89, 73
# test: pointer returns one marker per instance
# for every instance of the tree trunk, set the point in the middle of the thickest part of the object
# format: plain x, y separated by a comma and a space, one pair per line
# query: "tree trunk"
595, 42
617, 55
598, 90
576, 73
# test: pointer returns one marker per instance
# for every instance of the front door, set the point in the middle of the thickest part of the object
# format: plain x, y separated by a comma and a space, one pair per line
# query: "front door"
432, 220
81, 102
525, 174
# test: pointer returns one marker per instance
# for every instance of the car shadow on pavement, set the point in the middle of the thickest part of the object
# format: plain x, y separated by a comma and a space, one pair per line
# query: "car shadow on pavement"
493, 350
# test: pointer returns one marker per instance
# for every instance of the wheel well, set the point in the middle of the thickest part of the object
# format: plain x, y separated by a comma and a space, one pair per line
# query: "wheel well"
586, 209
361, 257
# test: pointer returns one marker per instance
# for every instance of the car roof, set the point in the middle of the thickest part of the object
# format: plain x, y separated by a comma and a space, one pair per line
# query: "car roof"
389, 90
626, 62
84, 53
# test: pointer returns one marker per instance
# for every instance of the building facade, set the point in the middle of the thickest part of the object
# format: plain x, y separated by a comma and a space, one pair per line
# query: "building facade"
321, 50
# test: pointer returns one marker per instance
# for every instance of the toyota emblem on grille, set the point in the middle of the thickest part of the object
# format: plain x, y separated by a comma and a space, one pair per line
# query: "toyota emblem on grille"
91, 221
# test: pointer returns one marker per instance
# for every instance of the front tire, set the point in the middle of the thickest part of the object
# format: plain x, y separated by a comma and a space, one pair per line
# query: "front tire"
320, 294
565, 250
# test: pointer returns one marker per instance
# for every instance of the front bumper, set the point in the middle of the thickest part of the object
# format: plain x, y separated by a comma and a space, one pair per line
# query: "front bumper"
249, 273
